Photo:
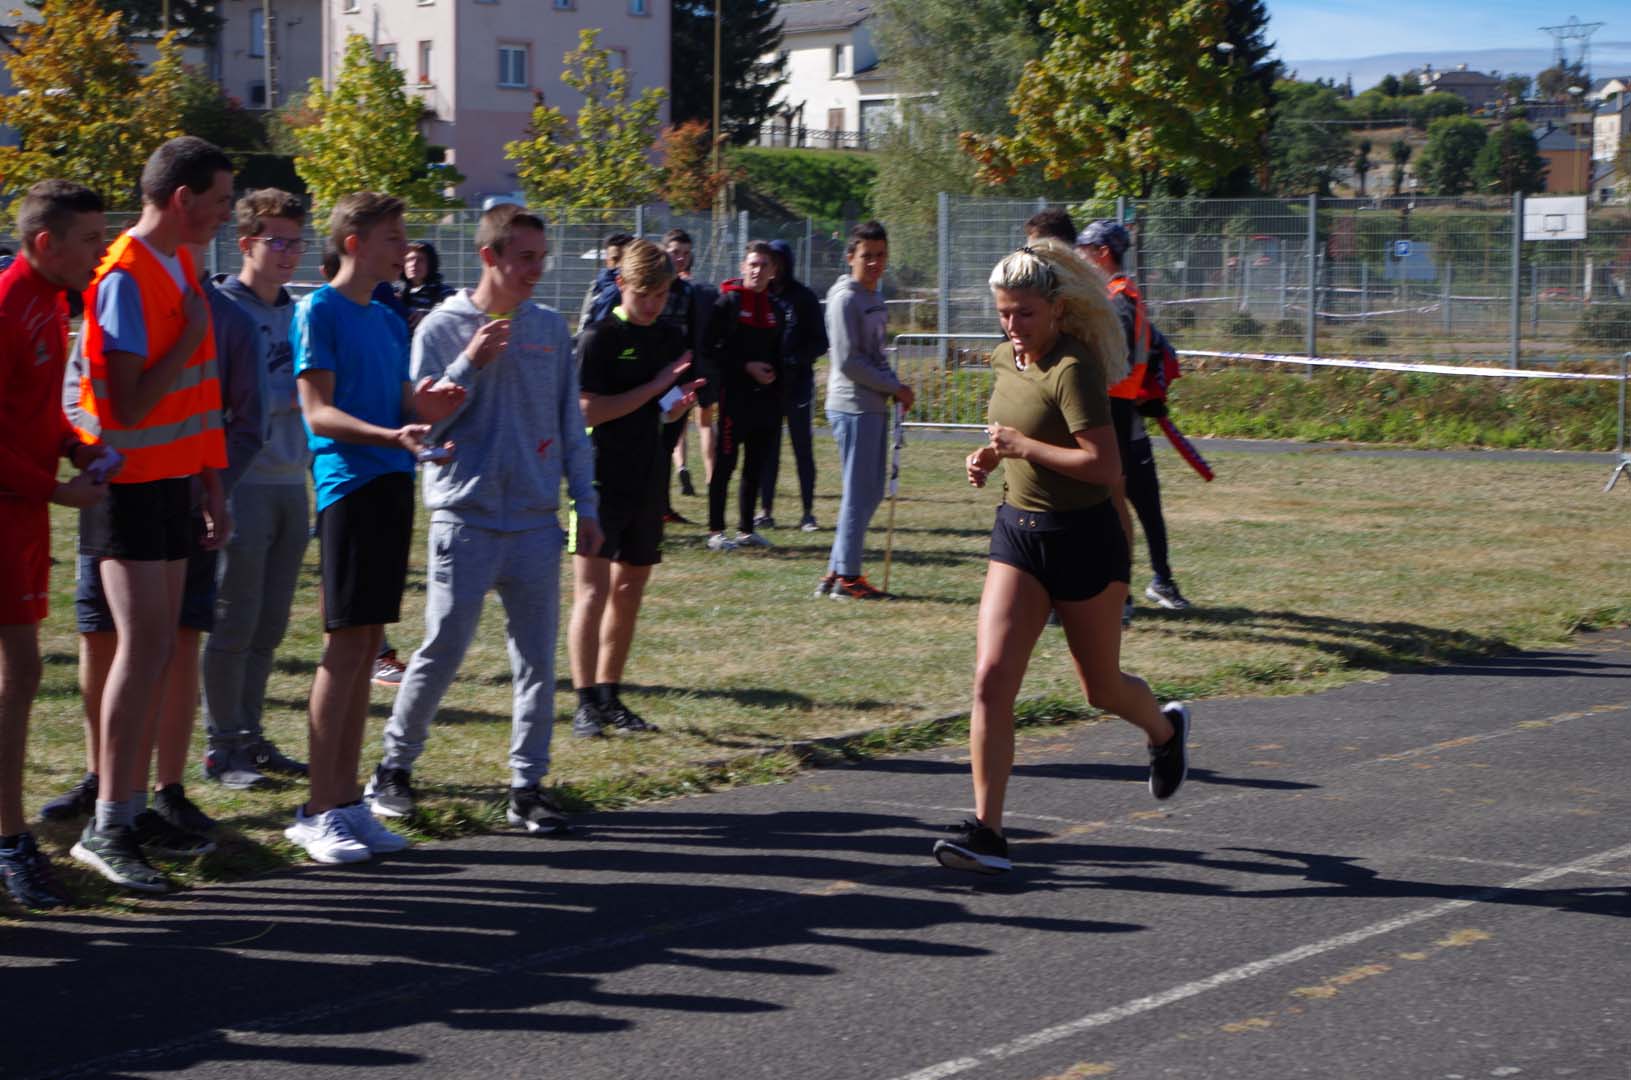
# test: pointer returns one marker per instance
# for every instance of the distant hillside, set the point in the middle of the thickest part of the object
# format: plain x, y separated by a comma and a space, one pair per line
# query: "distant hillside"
1607, 58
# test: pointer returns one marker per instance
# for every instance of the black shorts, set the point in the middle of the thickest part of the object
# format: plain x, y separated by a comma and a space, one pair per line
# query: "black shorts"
1075, 554
93, 616
1121, 416
151, 522
364, 537
633, 529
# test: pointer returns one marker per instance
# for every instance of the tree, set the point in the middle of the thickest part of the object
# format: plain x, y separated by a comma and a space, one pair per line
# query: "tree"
752, 71
79, 107
1553, 84
1399, 153
1362, 163
364, 136
1307, 146
689, 181
1510, 162
1453, 145
1389, 86
604, 158
1126, 97
196, 21
1251, 64
1515, 88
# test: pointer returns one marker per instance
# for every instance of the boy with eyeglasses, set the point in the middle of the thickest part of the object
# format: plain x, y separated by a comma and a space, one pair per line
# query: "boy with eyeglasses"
260, 565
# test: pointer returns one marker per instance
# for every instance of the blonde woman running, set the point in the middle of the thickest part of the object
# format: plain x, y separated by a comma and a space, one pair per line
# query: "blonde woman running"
1057, 544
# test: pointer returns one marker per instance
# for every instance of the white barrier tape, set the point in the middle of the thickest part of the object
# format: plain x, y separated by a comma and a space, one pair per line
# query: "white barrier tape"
1428, 310
1385, 365
1195, 300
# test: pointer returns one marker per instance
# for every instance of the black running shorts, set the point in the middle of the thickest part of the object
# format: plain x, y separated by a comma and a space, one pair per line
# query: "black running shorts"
633, 529
149, 522
364, 538
1074, 554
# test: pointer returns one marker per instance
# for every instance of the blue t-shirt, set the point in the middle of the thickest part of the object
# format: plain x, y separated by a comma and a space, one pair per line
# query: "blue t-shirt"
367, 349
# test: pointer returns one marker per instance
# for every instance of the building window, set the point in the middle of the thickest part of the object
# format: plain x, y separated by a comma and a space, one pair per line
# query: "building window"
257, 31
512, 66
617, 58
388, 53
352, 6
840, 59
565, 5
424, 61
257, 95
639, 7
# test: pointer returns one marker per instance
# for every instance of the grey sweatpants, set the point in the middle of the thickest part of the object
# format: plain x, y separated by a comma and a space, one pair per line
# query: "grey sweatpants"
258, 571
463, 564
863, 459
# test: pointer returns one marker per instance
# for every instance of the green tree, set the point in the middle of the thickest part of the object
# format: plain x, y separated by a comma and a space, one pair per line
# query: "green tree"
1127, 96
604, 158
197, 21
1447, 161
751, 69
364, 136
1389, 86
1510, 161
1399, 153
1553, 84
1515, 88
79, 107
1308, 145
1251, 66
1362, 163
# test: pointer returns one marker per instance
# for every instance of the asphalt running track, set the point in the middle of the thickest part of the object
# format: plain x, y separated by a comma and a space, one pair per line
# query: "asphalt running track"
1427, 876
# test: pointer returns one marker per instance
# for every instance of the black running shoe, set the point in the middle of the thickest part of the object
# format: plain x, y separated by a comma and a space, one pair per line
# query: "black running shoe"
589, 722
269, 759
390, 792
228, 762
975, 849
621, 718
170, 802
28, 876
77, 802
686, 487
114, 853
1169, 762
156, 834
535, 812
1164, 591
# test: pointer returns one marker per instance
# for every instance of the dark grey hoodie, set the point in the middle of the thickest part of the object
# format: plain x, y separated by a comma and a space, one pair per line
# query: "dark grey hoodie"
283, 458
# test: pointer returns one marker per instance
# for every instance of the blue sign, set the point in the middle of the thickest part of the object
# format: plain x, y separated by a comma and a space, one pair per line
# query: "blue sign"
1401, 249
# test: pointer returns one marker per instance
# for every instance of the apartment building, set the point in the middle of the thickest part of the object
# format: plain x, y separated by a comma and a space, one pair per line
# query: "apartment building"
261, 69
476, 64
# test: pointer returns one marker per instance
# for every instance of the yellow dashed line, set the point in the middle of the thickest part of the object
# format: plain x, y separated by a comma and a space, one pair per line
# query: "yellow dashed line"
1256, 1023
1462, 938
1084, 1070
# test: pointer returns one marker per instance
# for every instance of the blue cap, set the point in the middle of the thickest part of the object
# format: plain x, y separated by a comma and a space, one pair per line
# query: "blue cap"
1108, 233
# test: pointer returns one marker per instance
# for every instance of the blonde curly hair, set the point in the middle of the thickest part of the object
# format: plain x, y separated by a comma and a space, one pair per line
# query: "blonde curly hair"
1054, 271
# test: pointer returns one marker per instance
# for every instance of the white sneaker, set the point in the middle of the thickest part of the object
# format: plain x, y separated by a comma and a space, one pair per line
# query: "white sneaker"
328, 837
751, 540
720, 542
368, 829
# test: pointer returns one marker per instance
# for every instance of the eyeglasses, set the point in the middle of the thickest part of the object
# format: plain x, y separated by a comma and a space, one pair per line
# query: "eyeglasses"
281, 244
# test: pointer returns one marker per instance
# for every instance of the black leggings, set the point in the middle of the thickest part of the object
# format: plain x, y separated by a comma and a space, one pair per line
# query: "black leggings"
1144, 492
800, 419
757, 445
672, 434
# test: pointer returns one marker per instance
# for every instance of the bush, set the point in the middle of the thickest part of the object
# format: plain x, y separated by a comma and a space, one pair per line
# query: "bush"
1371, 337
831, 185
1606, 324
1241, 325
1288, 328
1176, 318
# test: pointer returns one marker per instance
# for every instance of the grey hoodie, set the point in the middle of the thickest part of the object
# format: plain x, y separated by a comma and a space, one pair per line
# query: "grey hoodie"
519, 424
860, 379
283, 458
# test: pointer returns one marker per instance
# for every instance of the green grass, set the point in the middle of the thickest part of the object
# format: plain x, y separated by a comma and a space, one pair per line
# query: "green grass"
1308, 571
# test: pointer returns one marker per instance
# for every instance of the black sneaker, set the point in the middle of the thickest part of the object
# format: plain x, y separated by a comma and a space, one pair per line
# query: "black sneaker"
588, 722
77, 802
156, 834
227, 762
1169, 762
114, 853
763, 521
269, 759
1127, 613
624, 719
975, 849
807, 523
170, 802
825, 585
536, 812
1164, 591
390, 792
686, 487
28, 876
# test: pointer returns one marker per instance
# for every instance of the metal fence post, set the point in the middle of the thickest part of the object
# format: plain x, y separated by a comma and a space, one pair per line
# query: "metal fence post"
1311, 331
640, 221
942, 273
1517, 275
1447, 297
1534, 297
809, 246
741, 236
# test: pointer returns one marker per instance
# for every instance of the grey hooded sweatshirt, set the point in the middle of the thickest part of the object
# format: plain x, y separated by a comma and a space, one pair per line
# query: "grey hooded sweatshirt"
520, 429
860, 379
283, 457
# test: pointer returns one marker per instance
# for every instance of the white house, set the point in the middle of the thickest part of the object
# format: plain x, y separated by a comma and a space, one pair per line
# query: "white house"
837, 94
1610, 126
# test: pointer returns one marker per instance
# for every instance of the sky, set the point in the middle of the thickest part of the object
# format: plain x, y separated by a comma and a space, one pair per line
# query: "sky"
1481, 33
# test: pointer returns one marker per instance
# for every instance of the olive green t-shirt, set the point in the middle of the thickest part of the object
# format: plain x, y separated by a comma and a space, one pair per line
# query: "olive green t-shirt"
1064, 392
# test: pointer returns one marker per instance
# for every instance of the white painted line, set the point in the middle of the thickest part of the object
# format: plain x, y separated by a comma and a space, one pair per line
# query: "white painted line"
1035, 1040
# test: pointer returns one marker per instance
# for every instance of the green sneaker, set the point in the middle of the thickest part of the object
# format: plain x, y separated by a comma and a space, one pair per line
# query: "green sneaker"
114, 853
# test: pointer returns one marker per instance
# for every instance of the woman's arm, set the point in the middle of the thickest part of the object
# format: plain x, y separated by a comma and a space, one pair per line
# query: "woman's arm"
1093, 460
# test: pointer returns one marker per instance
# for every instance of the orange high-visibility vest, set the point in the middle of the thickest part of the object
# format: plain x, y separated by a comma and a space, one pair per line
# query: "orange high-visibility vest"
182, 434
1138, 359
